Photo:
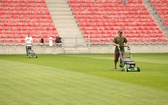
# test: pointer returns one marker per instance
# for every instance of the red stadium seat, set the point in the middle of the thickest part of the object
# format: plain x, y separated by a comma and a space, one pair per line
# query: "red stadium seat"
28, 16
161, 6
102, 17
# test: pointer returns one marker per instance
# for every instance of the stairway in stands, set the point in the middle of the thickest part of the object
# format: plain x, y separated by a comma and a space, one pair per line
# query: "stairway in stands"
65, 22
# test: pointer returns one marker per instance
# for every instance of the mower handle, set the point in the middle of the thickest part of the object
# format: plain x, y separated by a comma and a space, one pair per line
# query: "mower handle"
124, 46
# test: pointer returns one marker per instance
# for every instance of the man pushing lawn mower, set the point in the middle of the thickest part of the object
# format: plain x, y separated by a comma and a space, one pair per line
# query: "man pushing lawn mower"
30, 53
119, 41
126, 62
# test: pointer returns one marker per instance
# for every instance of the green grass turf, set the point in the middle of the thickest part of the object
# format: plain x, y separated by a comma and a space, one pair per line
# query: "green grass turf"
87, 79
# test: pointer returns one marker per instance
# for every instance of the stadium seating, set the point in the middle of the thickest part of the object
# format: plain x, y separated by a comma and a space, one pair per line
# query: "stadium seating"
161, 6
100, 20
20, 17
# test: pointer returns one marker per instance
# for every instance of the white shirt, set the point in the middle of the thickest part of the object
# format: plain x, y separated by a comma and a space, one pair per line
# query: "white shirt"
28, 41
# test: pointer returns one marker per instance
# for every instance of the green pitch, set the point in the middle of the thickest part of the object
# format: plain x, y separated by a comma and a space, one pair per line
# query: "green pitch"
82, 80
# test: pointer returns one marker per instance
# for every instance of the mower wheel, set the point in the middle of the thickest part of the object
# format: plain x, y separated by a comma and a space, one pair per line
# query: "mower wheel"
126, 69
138, 69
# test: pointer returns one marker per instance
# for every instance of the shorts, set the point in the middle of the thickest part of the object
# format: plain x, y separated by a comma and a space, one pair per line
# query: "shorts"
117, 55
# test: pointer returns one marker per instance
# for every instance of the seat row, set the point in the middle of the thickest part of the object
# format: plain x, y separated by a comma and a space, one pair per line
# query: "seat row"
22, 1
92, 41
103, 1
147, 41
18, 41
159, 1
15, 11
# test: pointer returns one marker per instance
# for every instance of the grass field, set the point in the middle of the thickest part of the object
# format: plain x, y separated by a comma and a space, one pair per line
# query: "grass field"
84, 79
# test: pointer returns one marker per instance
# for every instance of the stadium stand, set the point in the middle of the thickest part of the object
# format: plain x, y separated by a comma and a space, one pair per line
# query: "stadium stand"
161, 6
99, 21
20, 17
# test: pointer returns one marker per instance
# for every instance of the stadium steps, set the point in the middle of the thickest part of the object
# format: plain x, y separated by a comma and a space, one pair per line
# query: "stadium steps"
156, 17
65, 22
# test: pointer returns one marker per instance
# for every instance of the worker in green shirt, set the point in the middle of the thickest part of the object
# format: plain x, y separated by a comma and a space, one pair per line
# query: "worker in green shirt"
119, 41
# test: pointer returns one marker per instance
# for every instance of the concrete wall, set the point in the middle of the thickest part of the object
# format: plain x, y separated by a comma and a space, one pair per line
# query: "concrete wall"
57, 49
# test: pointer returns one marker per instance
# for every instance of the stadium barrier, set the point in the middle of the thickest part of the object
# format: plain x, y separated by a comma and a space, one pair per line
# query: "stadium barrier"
78, 44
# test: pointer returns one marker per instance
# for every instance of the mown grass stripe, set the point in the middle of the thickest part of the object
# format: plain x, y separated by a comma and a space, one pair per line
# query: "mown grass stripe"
137, 59
34, 84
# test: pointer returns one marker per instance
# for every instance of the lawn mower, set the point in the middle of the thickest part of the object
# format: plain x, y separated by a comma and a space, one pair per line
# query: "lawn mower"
126, 62
31, 54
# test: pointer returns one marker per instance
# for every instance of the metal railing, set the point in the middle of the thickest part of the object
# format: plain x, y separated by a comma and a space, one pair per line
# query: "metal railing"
83, 42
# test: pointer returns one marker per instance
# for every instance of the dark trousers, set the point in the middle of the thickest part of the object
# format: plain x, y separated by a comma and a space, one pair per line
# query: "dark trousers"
117, 55
27, 48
